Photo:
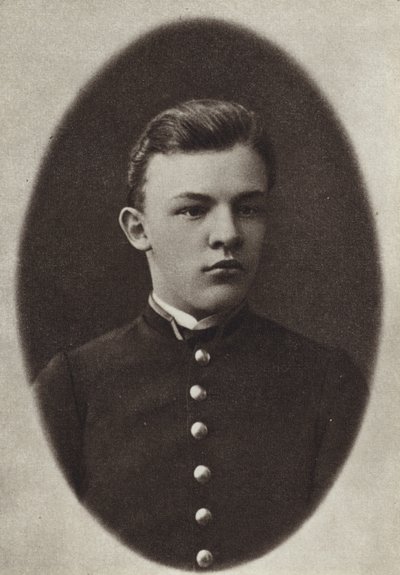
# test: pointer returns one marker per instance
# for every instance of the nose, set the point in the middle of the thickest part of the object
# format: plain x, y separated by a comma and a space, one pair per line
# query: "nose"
225, 231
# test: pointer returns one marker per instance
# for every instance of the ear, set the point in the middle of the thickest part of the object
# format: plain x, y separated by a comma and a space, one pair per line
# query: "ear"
131, 221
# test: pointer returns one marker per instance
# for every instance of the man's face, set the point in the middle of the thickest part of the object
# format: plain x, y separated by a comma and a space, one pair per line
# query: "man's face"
205, 217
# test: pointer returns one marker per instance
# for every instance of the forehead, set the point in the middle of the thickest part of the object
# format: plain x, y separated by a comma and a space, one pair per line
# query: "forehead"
234, 170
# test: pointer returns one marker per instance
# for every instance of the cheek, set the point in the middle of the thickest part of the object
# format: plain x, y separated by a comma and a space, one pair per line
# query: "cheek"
162, 237
255, 236
173, 250
184, 240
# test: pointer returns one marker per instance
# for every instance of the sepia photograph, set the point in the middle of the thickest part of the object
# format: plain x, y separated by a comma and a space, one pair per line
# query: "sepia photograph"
201, 324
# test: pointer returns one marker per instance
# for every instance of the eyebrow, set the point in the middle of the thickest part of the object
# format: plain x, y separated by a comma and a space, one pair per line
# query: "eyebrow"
206, 198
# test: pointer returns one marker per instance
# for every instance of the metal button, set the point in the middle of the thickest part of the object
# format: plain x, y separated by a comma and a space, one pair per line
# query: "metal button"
198, 393
199, 430
202, 357
204, 558
202, 474
203, 516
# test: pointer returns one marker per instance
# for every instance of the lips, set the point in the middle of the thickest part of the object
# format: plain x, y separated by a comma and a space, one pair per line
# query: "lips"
230, 264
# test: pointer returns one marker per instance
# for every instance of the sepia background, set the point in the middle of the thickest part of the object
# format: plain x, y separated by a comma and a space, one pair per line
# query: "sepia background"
49, 50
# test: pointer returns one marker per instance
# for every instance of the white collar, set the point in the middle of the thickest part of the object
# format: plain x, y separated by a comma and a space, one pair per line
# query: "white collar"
185, 319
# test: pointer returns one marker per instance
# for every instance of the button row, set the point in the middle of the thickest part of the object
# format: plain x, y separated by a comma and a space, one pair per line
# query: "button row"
201, 473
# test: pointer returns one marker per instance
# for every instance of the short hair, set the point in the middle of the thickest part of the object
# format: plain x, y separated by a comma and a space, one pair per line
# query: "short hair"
195, 126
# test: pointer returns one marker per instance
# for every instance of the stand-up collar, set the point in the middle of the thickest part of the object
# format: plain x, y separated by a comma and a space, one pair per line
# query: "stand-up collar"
184, 319
161, 318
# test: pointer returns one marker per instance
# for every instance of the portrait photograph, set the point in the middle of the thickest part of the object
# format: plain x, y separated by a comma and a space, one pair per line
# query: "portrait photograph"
200, 344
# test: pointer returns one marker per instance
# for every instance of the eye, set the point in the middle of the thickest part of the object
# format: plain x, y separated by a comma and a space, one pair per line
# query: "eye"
248, 210
192, 212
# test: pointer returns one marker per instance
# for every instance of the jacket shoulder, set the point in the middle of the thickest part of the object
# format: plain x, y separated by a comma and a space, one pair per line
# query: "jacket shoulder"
109, 348
88, 359
285, 338
292, 348
107, 342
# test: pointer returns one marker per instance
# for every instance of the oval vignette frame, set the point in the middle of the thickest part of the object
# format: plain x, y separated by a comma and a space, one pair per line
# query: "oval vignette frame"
79, 278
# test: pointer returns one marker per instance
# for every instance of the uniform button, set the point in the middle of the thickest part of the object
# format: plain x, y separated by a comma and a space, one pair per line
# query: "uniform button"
204, 558
203, 516
202, 357
202, 474
199, 430
198, 393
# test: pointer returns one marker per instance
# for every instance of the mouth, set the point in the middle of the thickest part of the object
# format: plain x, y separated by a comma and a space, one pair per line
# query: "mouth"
230, 264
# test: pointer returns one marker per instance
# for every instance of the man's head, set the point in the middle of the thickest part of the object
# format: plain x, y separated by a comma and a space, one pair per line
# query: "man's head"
198, 181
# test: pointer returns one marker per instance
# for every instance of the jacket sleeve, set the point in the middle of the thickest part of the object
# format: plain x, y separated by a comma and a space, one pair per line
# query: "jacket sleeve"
58, 407
343, 400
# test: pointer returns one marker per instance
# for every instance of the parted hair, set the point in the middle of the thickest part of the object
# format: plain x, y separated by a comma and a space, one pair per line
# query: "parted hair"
195, 126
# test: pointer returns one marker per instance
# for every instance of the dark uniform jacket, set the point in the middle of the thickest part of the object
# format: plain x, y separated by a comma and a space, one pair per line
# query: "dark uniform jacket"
275, 416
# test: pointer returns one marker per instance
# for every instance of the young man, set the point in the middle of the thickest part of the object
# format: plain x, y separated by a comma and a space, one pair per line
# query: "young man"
202, 434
